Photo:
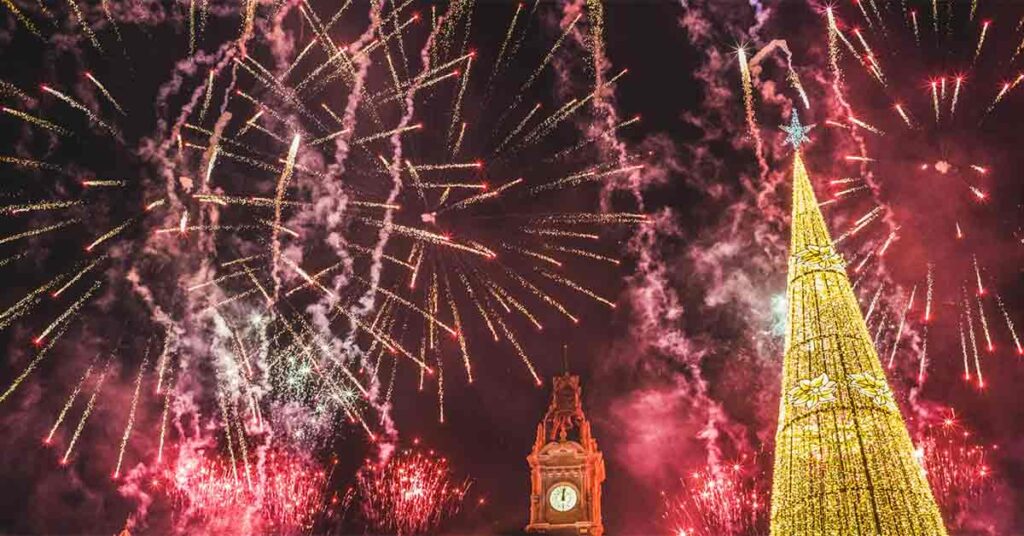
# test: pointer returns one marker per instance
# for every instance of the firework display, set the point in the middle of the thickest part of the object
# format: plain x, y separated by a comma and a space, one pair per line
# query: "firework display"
843, 458
907, 97
313, 217
282, 494
249, 248
410, 494
734, 501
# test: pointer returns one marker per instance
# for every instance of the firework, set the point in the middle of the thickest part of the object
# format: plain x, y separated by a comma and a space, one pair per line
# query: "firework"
957, 467
731, 499
131, 414
385, 237
413, 493
1009, 325
104, 91
286, 495
40, 122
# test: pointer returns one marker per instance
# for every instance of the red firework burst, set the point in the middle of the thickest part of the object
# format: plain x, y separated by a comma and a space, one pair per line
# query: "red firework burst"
279, 493
410, 494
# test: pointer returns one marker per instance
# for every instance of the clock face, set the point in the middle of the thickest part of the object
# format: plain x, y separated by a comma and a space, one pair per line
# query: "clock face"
563, 497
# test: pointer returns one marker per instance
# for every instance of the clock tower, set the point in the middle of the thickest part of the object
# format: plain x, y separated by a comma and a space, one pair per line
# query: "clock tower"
566, 467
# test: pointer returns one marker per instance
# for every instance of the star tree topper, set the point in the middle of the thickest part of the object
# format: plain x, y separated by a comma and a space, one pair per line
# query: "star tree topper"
796, 134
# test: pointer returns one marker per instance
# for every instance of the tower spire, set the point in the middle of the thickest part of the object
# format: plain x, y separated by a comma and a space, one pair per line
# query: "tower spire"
844, 462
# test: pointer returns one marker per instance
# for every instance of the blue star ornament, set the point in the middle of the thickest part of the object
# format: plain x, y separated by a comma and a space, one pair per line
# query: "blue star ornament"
796, 134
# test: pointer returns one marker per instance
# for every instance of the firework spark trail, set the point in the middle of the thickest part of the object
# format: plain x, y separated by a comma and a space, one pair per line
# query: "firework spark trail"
22, 18
569, 109
460, 332
791, 75
861, 223
498, 62
275, 237
111, 233
866, 126
981, 40
903, 114
131, 413
240, 430
457, 106
8, 89
40, 355
835, 34
11, 210
78, 276
79, 106
984, 326
584, 176
226, 425
73, 4
70, 402
1009, 325
977, 275
39, 231
974, 342
104, 183
479, 306
163, 426
24, 304
924, 357
577, 287
917, 31
874, 301
71, 310
956, 96
208, 96
38, 121
12, 258
28, 163
104, 91
888, 242
748, 103
162, 362
519, 350
930, 294
542, 295
472, 200
191, 27
899, 328
864, 12
999, 97
516, 130
963, 348
935, 100
86, 413
864, 261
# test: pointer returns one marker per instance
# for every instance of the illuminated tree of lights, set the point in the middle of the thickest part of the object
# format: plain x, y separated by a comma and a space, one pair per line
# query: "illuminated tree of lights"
844, 462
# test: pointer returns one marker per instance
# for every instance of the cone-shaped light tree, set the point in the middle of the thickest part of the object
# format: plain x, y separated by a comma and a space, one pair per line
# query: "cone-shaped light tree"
844, 462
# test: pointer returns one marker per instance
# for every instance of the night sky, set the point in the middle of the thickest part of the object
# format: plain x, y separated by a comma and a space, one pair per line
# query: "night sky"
679, 378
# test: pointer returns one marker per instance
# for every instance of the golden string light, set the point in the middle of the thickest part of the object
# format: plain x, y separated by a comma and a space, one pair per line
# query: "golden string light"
844, 461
